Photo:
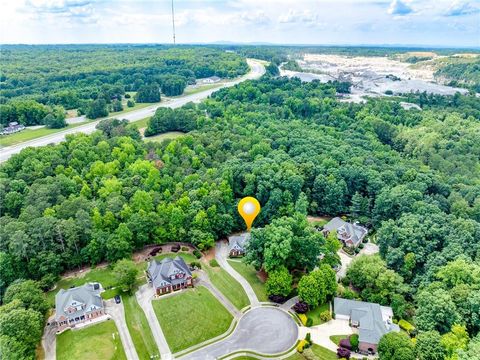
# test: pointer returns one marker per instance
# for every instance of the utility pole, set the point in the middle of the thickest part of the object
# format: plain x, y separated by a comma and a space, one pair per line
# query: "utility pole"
173, 23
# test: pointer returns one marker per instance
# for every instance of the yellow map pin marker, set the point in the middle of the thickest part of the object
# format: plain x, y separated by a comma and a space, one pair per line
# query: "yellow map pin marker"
249, 207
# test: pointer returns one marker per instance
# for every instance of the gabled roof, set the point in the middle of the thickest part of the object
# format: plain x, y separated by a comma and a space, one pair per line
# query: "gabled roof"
238, 242
161, 272
373, 319
353, 232
85, 298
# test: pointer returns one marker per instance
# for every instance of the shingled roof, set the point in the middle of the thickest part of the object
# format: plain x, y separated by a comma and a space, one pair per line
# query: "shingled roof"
238, 242
162, 273
346, 230
374, 320
83, 299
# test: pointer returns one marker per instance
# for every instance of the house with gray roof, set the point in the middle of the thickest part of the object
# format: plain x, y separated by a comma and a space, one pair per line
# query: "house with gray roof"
78, 305
372, 321
169, 275
350, 234
237, 243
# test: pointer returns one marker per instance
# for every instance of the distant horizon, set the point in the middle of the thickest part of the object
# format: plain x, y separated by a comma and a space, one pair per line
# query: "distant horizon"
231, 43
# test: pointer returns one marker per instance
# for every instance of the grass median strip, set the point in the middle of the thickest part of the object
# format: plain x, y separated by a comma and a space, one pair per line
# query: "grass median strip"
139, 329
249, 273
229, 287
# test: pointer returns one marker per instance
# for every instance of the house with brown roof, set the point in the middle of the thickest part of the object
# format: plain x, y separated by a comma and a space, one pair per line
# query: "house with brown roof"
169, 275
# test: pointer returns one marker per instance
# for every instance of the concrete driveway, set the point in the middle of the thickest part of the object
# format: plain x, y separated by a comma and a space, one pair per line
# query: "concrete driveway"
144, 297
221, 254
117, 313
49, 340
265, 330
320, 334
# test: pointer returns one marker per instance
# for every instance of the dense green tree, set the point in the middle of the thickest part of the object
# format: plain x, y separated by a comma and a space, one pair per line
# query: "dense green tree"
125, 272
279, 282
97, 108
311, 289
148, 94
428, 346
29, 295
396, 346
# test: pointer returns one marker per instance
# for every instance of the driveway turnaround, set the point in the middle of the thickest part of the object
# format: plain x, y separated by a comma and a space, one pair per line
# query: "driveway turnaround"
320, 334
117, 313
221, 254
256, 71
265, 330
144, 297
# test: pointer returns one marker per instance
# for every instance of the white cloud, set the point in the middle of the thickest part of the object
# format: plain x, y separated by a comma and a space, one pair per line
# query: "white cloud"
461, 8
399, 8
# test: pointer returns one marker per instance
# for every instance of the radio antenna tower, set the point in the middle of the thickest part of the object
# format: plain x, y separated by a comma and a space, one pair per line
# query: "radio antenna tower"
173, 23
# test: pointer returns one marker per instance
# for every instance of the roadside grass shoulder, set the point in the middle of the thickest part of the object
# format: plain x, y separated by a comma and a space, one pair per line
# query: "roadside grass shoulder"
250, 274
97, 342
29, 134
191, 317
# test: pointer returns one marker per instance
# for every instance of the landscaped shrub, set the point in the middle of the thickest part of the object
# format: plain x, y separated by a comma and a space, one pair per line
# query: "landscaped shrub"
301, 345
361, 246
357, 250
345, 343
197, 254
303, 319
325, 316
354, 341
308, 337
185, 248
195, 265
300, 307
309, 321
365, 240
213, 263
405, 325
343, 353
349, 250
279, 299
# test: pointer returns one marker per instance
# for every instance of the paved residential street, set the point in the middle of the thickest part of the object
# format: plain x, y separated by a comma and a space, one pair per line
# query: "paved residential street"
117, 313
256, 71
221, 254
266, 330
144, 297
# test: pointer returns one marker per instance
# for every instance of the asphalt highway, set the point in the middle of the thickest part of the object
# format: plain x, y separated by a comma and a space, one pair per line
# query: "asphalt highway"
256, 71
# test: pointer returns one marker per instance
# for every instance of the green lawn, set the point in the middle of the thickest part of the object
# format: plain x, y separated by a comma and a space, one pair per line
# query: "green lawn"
296, 356
190, 317
249, 273
323, 353
190, 91
336, 338
229, 287
315, 313
187, 257
29, 134
96, 342
167, 135
139, 329
126, 109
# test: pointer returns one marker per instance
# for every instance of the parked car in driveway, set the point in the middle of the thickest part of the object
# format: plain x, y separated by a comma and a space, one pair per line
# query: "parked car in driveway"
118, 300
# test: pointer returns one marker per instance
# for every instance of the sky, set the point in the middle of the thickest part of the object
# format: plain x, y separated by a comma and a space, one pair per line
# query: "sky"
449, 23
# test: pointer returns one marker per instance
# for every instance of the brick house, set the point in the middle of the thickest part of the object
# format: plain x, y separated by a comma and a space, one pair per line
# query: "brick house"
237, 243
78, 305
371, 320
351, 235
169, 275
